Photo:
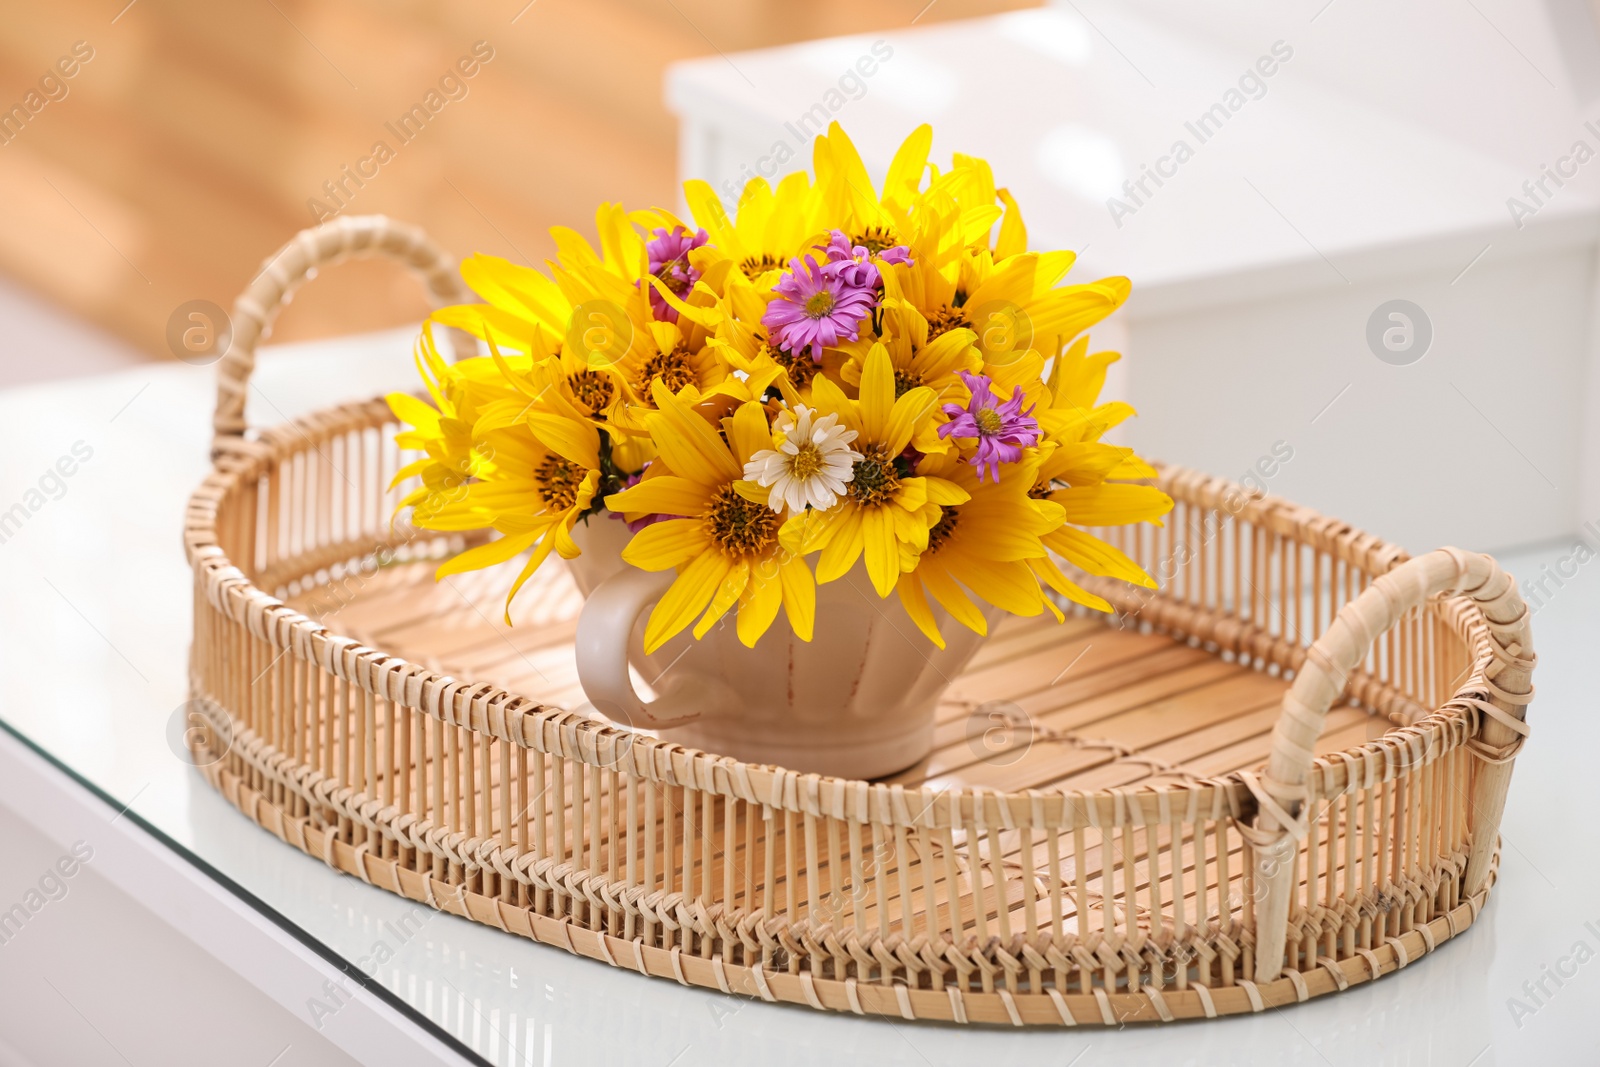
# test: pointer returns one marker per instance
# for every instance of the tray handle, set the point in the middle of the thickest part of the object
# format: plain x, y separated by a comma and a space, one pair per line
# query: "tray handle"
1280, 821
294, 264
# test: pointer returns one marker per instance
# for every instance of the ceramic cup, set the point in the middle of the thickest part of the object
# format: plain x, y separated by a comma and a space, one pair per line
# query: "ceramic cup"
857, 701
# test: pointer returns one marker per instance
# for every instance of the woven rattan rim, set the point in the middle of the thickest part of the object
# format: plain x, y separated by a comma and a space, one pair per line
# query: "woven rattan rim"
1484, 716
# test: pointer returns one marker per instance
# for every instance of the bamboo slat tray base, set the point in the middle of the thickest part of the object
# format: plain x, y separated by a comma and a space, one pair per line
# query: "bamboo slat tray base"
1074, 705
1128, 708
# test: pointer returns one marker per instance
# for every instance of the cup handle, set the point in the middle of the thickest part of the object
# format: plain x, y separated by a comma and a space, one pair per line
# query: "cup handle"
605, 628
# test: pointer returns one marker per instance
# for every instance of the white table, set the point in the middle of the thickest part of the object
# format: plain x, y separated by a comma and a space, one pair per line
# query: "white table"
93, 638
1376, 164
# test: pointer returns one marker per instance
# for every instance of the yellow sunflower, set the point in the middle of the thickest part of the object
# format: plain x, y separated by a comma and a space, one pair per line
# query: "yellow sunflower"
917, 359
444, 431
768, 229
725, 545
531, 478
887, 509
984, 544
1091, 481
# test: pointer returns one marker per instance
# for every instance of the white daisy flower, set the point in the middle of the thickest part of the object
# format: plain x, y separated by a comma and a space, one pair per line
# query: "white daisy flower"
812, 465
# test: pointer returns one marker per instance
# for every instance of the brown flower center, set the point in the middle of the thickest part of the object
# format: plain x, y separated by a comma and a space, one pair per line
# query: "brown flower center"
946, 319
672, 369
904, 382
755, 266
558, 480
740, 527
942, 529
875, 239
875, 482
592, 389
800, 366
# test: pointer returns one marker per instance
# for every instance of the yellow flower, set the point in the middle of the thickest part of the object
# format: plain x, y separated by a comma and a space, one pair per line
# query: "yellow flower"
726, 545
985, 544
622, 249
1013, 304
917, 359
443, 430
886, 510
742, 341
522, 307
1087, 478
770, 227
931, 221
532, 479
636, 349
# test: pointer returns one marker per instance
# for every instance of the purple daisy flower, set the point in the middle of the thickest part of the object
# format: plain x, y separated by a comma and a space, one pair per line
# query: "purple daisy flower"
854, 264
1003, 430
813, 307
669, 260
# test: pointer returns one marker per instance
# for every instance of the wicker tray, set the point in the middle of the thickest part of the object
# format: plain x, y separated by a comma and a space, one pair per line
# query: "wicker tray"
1231, 795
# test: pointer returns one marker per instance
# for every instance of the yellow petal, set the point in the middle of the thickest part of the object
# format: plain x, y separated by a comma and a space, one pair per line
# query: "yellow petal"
914, 409
1112, 504
688, 596
762, 598
945, 493
906, 169
535, 559
748, 432
662, 545
799, 596
829, 399
728, 594
882, 549
408, 408
1068, 311
953, 599
877, 397
1013, 237
1087, 552
806, 532
688, 443
571, 439
915, 601
496, 551
665, 495
753, 492
1009, 586
843, 545
1047, 572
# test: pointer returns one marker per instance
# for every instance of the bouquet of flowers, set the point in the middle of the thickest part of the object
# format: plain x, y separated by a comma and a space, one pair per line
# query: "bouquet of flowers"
836, 373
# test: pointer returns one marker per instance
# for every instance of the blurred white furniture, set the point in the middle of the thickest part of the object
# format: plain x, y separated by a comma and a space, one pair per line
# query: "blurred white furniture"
1373, 163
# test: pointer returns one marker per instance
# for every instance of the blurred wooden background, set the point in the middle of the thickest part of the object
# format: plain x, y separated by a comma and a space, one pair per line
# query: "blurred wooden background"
185, 151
